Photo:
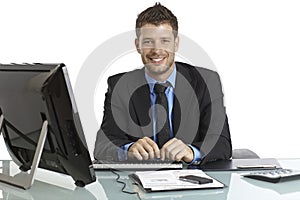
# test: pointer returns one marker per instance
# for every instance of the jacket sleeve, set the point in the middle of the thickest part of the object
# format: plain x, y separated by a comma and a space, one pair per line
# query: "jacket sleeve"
110, 136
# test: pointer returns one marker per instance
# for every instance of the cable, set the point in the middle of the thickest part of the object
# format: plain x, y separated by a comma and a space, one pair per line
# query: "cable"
124, 185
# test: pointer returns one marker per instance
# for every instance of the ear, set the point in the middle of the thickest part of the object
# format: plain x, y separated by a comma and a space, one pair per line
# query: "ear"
137, 45
176, 43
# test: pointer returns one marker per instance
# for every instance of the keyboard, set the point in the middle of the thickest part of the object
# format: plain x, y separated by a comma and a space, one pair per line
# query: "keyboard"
136, 165
274, 176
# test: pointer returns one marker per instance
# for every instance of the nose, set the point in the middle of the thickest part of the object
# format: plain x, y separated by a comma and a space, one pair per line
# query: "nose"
156, 50
157, 47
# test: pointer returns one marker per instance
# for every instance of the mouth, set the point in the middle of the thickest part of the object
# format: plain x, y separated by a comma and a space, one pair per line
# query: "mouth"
157, 60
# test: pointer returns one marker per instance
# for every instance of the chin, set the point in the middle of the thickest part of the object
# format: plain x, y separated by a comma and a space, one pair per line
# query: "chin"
157, 69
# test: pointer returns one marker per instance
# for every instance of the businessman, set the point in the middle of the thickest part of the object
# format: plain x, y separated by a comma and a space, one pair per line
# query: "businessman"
167, 109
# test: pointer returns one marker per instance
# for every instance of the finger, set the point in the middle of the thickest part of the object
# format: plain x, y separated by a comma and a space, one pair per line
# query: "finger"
143, 153
173, 149
138, 146
189, 156
135, 154
164, 151
169, 142
148, 148
132, 151
178, 157
162, 155
154, 146
157, 154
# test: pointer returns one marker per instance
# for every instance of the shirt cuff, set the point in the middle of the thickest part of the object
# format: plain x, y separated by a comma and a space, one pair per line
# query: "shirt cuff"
197, 155
122, 151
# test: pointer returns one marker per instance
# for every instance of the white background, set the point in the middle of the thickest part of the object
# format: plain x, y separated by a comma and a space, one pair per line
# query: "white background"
254, 45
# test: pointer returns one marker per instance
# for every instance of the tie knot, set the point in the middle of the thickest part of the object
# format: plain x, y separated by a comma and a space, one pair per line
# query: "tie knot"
161, 87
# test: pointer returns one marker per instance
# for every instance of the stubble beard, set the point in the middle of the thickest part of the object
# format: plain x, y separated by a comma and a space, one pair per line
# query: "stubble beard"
152, 69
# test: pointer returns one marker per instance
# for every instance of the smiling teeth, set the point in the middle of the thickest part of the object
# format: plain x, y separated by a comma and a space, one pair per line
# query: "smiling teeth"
157, 59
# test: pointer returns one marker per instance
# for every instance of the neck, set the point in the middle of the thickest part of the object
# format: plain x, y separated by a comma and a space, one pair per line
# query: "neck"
161, 77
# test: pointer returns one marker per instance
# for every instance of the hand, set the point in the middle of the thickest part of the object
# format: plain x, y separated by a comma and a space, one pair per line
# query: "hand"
175, 149
144, 149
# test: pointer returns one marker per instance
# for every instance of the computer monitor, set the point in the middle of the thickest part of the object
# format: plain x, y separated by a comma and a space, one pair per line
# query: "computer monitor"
36, 101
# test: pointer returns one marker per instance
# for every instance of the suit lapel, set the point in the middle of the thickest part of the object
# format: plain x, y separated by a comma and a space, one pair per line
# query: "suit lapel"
140, 104
182, 98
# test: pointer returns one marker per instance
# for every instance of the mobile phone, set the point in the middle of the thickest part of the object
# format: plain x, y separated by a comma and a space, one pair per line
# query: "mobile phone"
195, 179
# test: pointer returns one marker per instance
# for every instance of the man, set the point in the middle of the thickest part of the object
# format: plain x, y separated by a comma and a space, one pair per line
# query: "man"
166, 110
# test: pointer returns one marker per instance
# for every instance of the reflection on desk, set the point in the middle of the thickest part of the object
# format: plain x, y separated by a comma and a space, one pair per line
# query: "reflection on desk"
40, 189
106, 187
263, 190
44, 191
282, 188
218, 194
108, 179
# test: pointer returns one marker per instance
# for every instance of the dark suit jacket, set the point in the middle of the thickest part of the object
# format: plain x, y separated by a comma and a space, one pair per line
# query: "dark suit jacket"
199, 116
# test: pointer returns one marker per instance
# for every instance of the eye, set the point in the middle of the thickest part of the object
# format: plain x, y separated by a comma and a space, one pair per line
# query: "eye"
147, 42
165, 41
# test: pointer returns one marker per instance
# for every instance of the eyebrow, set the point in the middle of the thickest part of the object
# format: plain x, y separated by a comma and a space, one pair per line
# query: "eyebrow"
166, 38
149, 38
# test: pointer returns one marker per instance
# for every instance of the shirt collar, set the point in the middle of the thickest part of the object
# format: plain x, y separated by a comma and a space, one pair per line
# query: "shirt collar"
151, 81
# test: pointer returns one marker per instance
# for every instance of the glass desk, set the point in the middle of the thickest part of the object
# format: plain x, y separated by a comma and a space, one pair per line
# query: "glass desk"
49, 185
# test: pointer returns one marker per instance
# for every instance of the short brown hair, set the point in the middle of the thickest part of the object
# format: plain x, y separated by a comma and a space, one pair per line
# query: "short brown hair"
157, 14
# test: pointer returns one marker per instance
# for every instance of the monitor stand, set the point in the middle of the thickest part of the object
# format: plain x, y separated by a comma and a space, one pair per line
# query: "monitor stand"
24, 179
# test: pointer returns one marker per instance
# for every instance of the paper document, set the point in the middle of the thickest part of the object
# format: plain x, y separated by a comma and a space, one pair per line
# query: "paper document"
169, 180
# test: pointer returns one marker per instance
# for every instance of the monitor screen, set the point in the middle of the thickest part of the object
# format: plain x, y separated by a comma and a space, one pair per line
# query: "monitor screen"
31, 94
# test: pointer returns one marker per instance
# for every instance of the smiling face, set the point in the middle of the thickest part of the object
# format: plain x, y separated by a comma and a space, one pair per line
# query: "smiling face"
157, 46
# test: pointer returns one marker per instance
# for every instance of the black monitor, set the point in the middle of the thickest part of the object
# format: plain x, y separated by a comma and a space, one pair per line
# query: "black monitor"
33, 96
